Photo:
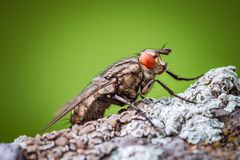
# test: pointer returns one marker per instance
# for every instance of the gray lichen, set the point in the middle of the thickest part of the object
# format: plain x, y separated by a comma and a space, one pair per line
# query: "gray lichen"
137, 152
217, 89
10, 152
201, 128
129, 135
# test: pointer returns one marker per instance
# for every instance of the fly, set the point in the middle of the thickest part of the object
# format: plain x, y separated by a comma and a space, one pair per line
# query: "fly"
121, 84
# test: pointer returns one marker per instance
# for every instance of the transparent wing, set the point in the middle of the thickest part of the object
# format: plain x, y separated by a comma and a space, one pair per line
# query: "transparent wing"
96, 85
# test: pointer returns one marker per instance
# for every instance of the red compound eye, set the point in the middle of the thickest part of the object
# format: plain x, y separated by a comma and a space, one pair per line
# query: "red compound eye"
147, 60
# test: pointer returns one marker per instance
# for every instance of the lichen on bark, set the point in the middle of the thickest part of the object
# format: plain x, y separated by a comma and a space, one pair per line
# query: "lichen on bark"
183, 130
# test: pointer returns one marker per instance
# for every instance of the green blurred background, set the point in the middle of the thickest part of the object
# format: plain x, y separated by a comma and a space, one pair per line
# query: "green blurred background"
50, 50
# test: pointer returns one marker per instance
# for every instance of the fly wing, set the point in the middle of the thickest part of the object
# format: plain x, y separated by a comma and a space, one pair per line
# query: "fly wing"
100, 84
97, 84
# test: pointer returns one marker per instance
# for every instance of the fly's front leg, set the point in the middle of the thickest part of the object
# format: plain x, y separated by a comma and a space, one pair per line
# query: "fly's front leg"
147, 87
171, 92
116, 97
141, 95
181, 78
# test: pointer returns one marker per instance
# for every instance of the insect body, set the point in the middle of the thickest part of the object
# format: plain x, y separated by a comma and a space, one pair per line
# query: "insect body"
120, 84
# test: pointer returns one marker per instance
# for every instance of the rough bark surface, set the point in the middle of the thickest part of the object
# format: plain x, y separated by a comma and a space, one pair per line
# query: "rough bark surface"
206, 130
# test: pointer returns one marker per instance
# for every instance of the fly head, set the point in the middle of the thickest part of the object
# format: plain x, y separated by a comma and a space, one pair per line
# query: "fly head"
151, 62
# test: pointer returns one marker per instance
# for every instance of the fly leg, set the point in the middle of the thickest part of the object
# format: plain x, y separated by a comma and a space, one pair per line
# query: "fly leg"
181, 78
141, 95
147, 87
112, 101
118, 98
150, 83
144, 90
172, 92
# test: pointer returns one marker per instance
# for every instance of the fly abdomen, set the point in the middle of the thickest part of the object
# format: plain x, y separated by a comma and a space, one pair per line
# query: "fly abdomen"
92, 109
